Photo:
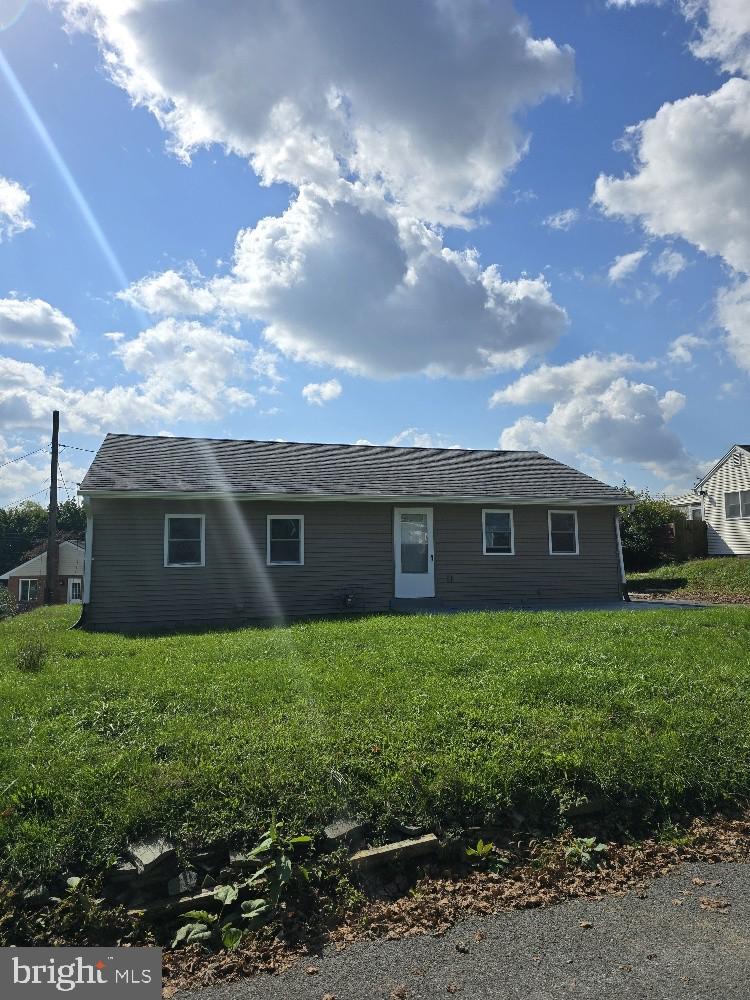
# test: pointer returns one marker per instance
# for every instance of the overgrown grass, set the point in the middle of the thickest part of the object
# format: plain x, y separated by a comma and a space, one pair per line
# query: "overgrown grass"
442, 720
726, 578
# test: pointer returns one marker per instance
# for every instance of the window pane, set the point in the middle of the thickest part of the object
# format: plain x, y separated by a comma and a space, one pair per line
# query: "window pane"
563, 541
414, 543
24, 590
285, 550
745, 503
562, 521
732, 504
285, 528
497, 532
185, 527
33, 589
184, 551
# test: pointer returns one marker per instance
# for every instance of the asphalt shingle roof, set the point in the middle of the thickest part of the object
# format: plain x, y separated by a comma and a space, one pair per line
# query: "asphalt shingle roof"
128, 463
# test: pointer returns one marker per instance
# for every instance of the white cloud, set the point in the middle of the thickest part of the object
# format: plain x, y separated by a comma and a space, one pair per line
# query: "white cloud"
183, 370
669, 263
420, 104
617, 420
724, 34
318, 393
624, 265
562, 220
733, 312
169, 294
691, 167
681, 348
403, 302
414, 437
14, 202
186, 353
34, 321
591, 373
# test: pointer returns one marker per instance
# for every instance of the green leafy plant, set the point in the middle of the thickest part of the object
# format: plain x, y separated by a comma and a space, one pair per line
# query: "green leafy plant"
585, 852
274, 855
481, 852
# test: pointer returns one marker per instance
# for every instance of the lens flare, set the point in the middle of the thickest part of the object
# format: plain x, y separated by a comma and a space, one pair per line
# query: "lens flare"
62, 168
11, 12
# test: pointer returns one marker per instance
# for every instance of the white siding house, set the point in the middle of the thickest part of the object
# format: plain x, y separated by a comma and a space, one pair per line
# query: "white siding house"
725, 492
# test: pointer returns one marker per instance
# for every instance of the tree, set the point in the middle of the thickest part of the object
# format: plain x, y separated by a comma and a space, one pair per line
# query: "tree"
21, 528
643, 529
24, 527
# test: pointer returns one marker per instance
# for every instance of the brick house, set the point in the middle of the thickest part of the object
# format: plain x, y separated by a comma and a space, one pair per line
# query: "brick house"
26, 582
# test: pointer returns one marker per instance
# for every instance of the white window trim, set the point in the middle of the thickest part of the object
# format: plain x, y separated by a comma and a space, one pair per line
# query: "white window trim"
286, 517
196, 565
497, 510
549, 531
735, 517
29, 580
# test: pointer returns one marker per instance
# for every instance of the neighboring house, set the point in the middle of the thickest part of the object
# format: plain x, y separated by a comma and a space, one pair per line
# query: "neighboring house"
26, 582
187, 531
691, 505
725, 496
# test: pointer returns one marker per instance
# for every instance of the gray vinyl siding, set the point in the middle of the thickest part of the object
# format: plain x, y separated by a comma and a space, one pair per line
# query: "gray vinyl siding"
727, 537
463, 574
348, 551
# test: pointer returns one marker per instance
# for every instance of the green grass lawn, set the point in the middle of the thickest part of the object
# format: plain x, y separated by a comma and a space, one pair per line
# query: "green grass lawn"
442, 720
719, 579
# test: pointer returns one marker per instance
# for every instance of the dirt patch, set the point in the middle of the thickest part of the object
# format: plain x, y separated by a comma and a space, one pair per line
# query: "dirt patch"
688, 595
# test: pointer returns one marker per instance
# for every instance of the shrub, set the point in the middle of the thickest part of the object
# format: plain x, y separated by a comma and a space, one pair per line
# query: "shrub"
643, 528
31, 656
7, 604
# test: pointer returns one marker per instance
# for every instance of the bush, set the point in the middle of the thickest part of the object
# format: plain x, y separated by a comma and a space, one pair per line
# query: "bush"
7, 604
31, 656
643, 528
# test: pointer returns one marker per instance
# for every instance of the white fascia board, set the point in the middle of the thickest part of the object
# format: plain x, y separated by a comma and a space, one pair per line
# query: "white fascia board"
350, 498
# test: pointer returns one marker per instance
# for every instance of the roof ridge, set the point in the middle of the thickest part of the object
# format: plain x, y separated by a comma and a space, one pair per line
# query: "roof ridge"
329, 444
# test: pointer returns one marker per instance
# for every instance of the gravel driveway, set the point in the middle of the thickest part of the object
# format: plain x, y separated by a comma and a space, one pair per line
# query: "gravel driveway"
685, 940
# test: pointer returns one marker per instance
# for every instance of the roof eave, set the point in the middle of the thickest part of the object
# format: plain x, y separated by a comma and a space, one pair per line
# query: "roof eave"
618, 500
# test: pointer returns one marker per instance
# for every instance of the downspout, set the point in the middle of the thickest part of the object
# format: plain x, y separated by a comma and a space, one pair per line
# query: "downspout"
623, 578
87, 559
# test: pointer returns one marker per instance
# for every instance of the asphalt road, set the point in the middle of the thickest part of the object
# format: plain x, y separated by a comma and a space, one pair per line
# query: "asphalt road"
635, 949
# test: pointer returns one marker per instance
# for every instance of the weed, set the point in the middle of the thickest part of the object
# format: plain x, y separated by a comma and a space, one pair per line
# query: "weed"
31, 656
585, 852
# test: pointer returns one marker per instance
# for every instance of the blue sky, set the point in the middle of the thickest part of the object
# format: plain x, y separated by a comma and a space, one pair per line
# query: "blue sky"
446, 239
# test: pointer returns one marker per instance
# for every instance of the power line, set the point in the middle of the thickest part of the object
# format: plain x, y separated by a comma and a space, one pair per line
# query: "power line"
67, 491
15, 503
75, 447
27, 455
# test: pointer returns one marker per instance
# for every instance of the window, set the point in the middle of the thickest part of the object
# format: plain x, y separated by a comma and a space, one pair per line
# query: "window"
497, 532
285, 540
184, 540
563, 532
29, 590
75, 590
737, 504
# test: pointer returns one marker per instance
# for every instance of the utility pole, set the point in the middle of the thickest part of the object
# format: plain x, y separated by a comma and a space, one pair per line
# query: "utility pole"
52, 551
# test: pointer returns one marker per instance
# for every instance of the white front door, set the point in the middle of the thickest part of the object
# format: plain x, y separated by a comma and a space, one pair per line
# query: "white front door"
415, 559
75, 589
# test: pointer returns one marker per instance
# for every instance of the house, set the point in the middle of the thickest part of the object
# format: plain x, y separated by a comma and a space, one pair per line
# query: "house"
724, 496
26, 582
192, 531
691, 505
